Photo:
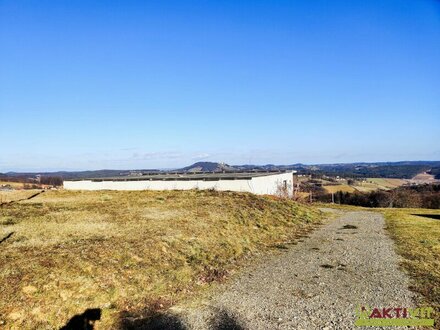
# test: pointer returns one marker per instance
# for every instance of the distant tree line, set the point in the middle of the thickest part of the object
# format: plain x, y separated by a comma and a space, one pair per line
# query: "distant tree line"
436, 172
35, 183
420, 196
12, 179
363, 171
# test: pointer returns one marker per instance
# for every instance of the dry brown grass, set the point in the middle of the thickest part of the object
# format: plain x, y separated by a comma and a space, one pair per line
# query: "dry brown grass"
14, 185
14, 195
127, 251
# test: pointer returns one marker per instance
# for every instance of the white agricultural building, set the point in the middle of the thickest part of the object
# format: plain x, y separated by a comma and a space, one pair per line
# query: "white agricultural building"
260, 183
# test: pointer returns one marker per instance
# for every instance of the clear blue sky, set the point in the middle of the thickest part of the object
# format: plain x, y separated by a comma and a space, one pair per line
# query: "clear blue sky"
142, 84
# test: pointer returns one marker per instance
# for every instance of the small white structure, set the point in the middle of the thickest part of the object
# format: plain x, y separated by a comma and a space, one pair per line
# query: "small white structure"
260, 183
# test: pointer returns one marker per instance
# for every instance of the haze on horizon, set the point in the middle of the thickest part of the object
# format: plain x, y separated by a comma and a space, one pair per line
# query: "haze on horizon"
127, 84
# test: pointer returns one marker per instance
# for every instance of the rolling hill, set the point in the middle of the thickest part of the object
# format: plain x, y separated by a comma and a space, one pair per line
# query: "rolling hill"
397, 170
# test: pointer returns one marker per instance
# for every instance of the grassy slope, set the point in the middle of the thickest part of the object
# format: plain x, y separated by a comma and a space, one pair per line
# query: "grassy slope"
418, 242
129, 251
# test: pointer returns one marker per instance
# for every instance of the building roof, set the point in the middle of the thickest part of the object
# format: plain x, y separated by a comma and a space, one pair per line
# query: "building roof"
185, 176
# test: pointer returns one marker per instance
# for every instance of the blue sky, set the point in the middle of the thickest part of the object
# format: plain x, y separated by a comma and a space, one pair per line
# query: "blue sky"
143, 84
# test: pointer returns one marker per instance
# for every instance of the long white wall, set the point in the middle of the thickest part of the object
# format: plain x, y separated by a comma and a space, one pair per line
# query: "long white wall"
260, 185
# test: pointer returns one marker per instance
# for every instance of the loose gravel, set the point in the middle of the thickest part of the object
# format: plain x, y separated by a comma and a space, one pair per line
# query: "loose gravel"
317, 284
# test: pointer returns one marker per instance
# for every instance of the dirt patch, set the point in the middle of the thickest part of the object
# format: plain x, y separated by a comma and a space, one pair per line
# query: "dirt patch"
424, 178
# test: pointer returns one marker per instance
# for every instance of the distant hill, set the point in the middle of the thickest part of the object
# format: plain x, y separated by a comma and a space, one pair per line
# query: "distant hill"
372, 170
208, 167
399, 170
436, 172
78, 174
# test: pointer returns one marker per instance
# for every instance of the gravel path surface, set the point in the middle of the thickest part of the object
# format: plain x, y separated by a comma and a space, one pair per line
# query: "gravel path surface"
317, 284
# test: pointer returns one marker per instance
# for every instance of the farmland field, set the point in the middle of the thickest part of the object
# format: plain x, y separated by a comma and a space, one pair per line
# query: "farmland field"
370, 184
387, 183
373, 184
340, 187
129, 253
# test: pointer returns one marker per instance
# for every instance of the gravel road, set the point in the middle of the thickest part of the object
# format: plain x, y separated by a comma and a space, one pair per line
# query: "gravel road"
316, 284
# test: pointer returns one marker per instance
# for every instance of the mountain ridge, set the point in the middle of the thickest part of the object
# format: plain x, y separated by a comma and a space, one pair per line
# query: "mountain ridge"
400, 169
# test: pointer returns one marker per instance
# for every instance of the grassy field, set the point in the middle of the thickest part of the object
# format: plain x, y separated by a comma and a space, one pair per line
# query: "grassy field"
371, 184
418, 242
13, 195
387, 183
129, 253
340, 187
15, 185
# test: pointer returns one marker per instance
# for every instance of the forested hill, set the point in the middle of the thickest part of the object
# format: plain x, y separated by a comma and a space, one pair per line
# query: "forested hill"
436, 172
402, 170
